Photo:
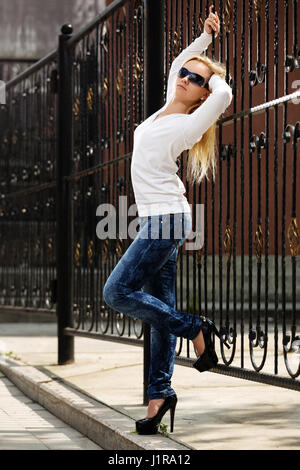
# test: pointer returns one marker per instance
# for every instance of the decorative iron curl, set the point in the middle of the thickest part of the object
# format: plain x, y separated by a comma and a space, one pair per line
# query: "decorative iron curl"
176, 44
258, 5
105, 250
291, 133
227, 16
77, 254
120, 81
137, 69
90, 252
294, 237
258, 75
119, 248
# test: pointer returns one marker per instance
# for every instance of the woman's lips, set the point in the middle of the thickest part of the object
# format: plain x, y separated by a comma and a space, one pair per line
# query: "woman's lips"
181, 86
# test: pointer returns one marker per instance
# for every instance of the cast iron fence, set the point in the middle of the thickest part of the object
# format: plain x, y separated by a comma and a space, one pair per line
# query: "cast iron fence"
67, 151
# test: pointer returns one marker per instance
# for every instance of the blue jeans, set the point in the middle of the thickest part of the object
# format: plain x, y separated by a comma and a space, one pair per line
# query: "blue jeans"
142, 285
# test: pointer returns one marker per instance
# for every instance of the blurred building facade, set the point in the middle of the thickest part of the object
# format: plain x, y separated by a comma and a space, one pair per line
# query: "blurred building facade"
29, 29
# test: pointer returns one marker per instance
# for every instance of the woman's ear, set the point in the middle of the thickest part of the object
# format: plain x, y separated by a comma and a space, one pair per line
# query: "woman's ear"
204, 97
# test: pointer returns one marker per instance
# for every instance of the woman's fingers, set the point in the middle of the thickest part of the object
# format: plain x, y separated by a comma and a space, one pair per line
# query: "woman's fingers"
213, 21
213, 24
213, 15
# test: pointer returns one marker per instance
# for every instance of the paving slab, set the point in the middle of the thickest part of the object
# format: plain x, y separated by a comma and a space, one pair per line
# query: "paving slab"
25, 425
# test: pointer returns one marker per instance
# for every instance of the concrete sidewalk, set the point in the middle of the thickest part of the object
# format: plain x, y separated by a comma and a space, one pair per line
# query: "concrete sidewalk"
214, 412
25, 425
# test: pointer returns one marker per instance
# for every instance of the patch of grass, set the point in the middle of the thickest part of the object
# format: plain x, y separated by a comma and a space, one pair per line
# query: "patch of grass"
163, 428
11, 354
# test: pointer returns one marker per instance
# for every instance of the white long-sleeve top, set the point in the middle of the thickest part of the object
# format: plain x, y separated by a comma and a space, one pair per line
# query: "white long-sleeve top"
158, 143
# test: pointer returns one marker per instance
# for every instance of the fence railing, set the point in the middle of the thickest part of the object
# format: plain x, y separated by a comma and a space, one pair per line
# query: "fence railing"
67, 151
10, 67
27, 182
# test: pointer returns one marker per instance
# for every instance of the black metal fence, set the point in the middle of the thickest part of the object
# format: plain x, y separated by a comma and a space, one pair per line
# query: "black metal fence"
10, 67
27, 182
66, 151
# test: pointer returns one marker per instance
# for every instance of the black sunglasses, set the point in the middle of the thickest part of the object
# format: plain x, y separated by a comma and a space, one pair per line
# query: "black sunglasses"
193, 77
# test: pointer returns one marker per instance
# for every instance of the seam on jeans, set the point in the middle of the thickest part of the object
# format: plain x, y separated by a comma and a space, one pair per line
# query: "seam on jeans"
148, 248
175, 241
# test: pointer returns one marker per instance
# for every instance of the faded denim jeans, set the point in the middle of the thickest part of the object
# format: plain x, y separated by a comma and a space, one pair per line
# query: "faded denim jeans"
142, 285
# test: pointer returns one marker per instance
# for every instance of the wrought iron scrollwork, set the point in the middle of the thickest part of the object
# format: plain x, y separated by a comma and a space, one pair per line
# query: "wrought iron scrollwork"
258, 7
120, 81
76, 107
292, 62
258, 337
228, 242
91, 252
176, 44
105, 250
77, 254
90, 98
137, 69
291, 341
258, 75
227, 16
119, 247
294, 236
104, 92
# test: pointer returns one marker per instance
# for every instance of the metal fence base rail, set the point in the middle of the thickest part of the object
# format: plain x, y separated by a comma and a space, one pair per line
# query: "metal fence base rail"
104, 337
247, 374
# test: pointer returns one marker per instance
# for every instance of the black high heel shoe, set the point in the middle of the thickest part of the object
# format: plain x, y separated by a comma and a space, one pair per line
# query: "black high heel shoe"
150, 425
209, 358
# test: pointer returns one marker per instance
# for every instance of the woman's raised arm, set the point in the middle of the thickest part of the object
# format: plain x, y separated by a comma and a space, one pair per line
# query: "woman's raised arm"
207, 114
198, 46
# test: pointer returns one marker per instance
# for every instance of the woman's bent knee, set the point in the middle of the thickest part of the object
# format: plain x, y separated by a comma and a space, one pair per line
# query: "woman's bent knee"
109, 294
113, 296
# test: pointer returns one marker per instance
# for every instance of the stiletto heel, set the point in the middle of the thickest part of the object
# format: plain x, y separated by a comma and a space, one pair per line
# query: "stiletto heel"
172, 415
209, 358
151, 425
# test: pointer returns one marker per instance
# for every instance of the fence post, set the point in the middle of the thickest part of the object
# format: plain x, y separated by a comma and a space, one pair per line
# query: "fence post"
64, 203
153, 100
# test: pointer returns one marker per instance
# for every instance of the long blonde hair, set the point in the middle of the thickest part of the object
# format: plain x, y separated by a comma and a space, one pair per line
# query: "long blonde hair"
202, 155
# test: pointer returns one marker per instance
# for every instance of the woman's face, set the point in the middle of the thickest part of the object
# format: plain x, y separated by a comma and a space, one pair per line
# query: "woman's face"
189, 92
